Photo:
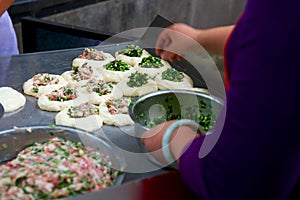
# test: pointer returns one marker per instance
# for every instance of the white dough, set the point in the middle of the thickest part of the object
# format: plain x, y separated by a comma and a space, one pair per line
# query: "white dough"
45, 104
97, 65
153, 71
73, 83
85, 72
164, 84
115, 120
89, 123
42, 89
136, 91
11, 99
95, 98
116, 76
131, 60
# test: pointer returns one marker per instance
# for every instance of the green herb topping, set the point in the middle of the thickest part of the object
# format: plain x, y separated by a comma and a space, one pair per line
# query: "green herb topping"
117, 65
151, 62
35, 89
131, 51
172, 74
137, 79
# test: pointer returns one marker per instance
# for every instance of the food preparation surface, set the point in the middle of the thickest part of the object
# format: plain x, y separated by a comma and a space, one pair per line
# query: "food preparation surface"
15, 70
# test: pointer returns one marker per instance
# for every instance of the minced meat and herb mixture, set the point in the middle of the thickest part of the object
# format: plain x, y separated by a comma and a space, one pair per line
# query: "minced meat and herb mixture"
43, 79
82, 73
55, 169
92, 54
62, 94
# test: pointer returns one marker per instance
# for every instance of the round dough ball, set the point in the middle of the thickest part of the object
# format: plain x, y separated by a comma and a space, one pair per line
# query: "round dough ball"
116, 76
36, 86
97, 65
164, 84
80, 74
60, 101
98, 91
131, 60
11, 99
117, 119
150, 86
153, 72
89, 123
73, 83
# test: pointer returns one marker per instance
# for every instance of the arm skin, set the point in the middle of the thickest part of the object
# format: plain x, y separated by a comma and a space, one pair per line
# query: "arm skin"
182, 136
4, 5
213, 40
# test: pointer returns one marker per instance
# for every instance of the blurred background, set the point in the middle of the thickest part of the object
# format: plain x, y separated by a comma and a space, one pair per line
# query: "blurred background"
113, 16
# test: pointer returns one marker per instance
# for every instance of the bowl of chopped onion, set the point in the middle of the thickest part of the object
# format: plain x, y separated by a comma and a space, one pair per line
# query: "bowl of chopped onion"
52, 162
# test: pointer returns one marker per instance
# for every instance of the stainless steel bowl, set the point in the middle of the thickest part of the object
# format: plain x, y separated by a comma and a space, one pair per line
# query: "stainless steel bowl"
1, 111
15, 140
163, 105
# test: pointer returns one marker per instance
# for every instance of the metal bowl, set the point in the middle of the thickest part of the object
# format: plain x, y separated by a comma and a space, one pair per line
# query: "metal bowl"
163, 105
1, 111
12, 141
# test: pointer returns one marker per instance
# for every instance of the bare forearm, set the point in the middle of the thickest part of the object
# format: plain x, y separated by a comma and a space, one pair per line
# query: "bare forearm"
4, 5
180, 140
214, 39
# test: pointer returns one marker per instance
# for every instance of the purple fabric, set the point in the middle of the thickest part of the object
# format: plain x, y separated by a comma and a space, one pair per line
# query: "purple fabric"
8, 40
258, 153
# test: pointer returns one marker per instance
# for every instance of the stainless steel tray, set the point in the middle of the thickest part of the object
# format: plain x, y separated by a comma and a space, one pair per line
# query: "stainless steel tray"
15, 70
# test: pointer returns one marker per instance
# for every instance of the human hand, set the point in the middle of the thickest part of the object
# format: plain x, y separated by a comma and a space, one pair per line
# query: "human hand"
152, 139
176, 40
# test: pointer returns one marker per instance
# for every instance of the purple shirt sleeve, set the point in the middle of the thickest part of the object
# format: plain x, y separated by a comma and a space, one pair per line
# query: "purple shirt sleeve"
258, 153
8, 39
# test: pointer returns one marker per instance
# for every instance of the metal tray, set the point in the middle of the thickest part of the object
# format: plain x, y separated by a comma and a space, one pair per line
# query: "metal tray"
15, 70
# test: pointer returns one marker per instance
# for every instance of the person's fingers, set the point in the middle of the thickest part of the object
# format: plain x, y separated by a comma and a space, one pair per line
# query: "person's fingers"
163, 41
167, 55
179, 58
173, 58
158, 51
